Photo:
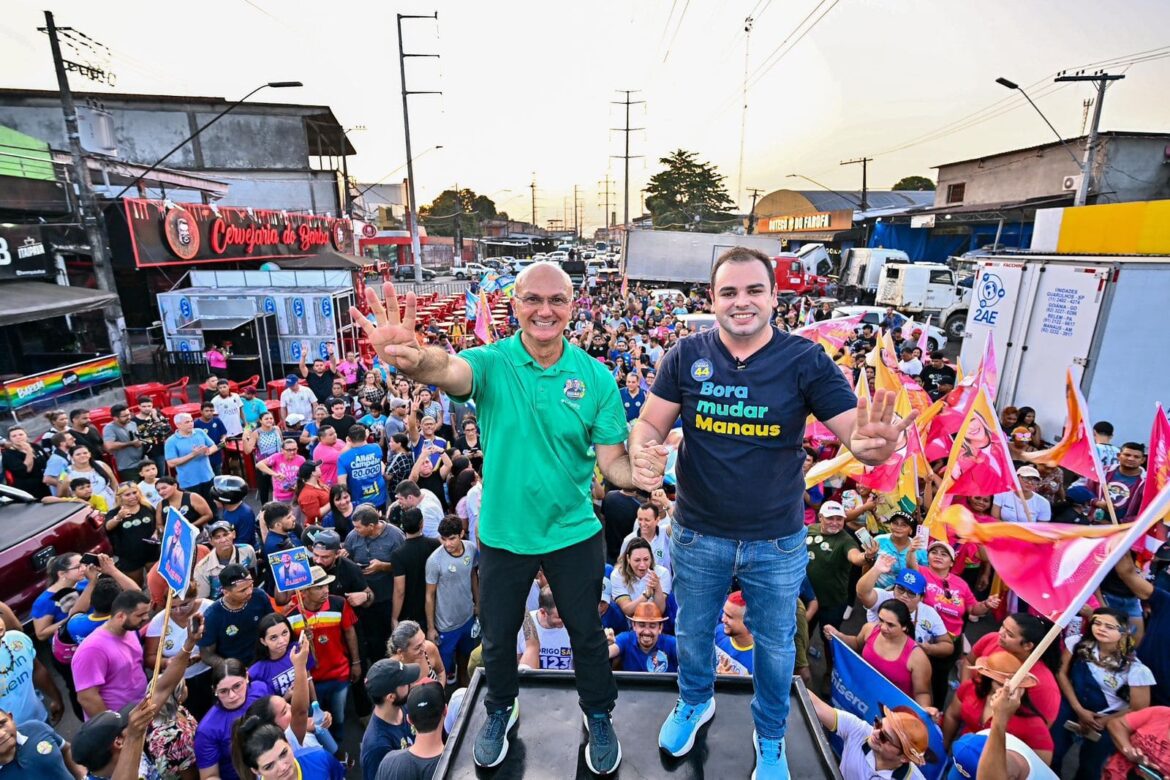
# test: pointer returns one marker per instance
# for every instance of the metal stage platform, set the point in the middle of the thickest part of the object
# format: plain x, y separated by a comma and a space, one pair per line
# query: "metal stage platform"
549, 741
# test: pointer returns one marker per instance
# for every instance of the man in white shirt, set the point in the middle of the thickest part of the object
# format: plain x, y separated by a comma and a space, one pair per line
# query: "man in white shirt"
229, 408
410, 495
909, 365
296, 399
879, 750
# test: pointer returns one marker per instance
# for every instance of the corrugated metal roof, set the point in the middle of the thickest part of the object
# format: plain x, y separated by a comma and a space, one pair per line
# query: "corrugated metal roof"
875, 199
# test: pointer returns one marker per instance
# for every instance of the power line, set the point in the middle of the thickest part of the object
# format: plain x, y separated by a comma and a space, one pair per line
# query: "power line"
778, 54
677, 27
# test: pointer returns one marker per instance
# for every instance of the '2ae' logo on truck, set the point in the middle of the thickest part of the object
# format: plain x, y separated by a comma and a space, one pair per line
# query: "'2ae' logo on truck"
990, 292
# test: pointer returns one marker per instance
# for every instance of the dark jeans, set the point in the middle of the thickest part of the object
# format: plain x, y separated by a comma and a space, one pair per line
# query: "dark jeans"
1093, 755
574, 574
940, 674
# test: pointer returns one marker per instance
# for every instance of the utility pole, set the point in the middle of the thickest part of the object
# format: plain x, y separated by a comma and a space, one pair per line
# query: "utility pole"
412, 206
1101, 80
864, 187
605, 194
751, 215
87, 205
532, 187
626, 157
747, 29
576, 222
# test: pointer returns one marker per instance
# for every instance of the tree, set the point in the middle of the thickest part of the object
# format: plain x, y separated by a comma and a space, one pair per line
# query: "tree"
915, 184
462, 209
689, 195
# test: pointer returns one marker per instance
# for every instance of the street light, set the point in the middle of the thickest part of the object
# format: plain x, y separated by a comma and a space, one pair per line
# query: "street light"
193, 136
1013, 85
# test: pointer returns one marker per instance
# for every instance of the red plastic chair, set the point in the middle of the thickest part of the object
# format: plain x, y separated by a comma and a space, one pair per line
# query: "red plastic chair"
177, 392
252, 381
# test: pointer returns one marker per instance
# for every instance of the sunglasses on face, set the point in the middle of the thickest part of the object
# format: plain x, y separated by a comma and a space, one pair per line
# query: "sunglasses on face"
882, 737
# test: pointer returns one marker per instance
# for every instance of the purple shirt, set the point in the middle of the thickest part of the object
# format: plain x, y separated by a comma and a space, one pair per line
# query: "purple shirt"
213, 738
278, 674
113, 665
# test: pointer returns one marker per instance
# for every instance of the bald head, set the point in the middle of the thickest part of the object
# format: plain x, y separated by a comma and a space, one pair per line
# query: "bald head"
546, 273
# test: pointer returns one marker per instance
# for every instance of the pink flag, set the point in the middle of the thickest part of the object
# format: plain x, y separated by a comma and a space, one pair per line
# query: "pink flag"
835, 331
1076, 450
1046, 564
988, 372
483, 320
980, 463
625, 287
1158, 459
924, 339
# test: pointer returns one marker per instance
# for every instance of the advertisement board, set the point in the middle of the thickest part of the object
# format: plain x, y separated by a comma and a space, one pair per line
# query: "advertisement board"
17, 393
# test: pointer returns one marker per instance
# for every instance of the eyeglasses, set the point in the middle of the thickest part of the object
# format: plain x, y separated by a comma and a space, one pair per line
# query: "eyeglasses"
1106, 625
882, 736
536, 301
234, 688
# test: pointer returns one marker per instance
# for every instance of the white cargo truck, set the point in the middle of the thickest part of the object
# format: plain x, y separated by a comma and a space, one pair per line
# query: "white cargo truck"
679, 256
927, 289
1100, 315
861, 268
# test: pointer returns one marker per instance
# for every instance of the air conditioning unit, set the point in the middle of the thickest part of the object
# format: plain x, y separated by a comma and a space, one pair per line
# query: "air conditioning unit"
1071, 183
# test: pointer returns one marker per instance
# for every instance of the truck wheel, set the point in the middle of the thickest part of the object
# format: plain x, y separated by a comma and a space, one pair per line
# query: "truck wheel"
932, 345
956, 325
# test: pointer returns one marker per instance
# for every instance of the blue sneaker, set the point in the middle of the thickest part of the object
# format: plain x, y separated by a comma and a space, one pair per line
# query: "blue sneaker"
603, 752
771, 759
491, 744
677, 735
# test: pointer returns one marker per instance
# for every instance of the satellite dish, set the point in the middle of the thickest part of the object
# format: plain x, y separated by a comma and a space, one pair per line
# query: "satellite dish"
270, 266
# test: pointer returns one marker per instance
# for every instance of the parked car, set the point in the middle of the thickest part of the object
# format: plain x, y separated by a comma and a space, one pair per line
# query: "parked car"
33, 534
558, 256
936, 337
405, 273
471, 271
498, 264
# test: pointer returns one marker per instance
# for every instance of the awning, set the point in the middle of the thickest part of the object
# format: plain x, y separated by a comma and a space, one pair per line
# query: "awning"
31, 301
215, 323
327, 259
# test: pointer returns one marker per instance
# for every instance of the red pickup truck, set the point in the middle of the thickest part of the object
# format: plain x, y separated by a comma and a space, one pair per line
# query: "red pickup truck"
31, 533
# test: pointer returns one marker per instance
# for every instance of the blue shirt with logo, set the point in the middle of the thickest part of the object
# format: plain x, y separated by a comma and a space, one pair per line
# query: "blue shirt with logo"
362, 467
744, 426
632, 404
663, 657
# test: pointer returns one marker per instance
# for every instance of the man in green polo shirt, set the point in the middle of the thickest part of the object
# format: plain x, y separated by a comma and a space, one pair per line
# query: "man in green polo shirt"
547, 412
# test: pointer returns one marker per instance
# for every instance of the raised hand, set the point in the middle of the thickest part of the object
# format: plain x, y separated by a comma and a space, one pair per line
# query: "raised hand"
884, 563
392, 333
875, 434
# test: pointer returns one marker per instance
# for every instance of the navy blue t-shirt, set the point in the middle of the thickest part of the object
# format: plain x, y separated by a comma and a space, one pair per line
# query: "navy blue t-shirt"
243, 519
234, 633
744, 426
662, 658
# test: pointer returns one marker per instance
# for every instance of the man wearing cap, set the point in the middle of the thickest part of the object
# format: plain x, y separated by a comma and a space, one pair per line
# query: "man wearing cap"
348, 580
330, 622
396, 422
543, 642
644, 648
33, 751
744, 390
252, 407
930, 631
1077, 507
1034, 508
296, 399
994, 754
895, 740
229, 408
107, 667
425, 709
230, 621
224, 551
388, 685
832, 554
532, 517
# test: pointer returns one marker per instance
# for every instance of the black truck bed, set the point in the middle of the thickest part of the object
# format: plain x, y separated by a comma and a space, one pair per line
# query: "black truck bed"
550, 739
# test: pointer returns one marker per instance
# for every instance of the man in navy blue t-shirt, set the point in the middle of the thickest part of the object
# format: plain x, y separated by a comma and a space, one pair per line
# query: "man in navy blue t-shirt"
744, 390
644, 648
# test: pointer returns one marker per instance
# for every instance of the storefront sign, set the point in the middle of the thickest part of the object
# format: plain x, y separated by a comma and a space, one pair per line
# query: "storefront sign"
24, 253
193, 232
16, 393
821, 220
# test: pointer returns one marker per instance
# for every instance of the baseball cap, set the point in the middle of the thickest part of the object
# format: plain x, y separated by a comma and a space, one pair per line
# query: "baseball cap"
398, 403
328, 539
1028, 471
219, 525
424, 699
93, 744
832, 509
231, 574
388, 675
1162, 554
249, 390
965, 754
291, 380
294, 419
911, 581
940, 543
1079, 494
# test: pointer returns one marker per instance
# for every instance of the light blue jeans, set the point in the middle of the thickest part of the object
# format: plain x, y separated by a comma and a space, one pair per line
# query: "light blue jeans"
770, 572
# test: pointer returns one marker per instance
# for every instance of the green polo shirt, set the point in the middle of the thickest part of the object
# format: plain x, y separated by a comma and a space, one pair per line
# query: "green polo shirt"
539, 426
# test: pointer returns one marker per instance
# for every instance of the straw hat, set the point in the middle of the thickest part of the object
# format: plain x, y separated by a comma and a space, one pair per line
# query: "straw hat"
907, 725
1001, 666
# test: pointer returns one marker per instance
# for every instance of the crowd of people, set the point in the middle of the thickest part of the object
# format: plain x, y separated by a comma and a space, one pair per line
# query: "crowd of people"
379, 470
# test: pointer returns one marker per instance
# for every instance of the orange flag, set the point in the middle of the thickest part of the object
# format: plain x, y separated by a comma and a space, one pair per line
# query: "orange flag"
1076, 450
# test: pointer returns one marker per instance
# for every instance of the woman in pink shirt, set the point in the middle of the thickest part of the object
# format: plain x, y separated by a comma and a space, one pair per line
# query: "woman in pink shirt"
283, 468
888, 646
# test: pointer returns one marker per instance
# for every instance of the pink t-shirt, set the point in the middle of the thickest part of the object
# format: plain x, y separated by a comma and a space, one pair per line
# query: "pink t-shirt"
328, 455
111, 664
284, 485
952, 609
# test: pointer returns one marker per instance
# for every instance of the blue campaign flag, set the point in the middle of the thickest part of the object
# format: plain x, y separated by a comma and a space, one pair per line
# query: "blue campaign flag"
177, 552
860, 689
471, 301
290, 569
489, 283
